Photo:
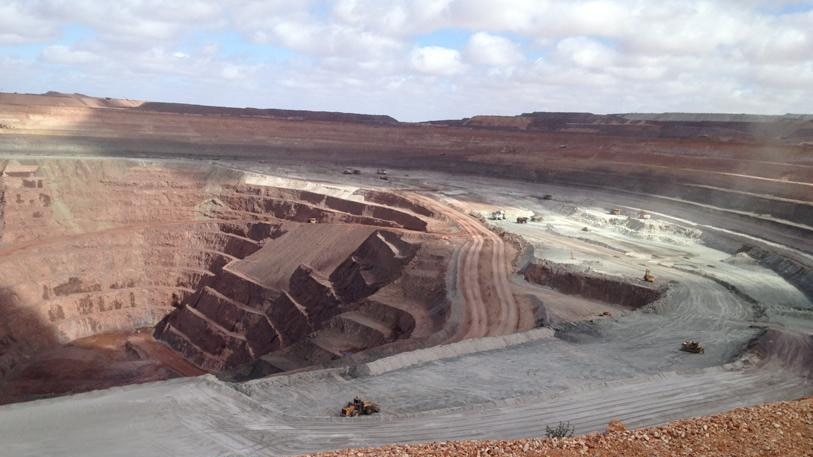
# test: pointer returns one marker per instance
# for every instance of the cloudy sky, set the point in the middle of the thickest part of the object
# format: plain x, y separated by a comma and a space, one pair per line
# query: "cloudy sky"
419, 59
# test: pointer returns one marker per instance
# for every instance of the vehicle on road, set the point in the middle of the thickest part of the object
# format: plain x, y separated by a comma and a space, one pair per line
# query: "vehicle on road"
692, 346
359, 407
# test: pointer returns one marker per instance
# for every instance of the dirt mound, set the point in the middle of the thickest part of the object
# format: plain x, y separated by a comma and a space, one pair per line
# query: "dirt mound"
95, 362
741, 258
786, 349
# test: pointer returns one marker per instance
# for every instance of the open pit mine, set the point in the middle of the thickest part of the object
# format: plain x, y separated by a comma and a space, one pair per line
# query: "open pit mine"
191, 280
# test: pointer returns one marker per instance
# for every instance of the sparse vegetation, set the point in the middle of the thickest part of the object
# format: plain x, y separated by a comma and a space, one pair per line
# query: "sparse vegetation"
561, 430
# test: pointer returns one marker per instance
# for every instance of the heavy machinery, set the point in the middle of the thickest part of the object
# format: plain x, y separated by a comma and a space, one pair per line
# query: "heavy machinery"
498, 215
547, 197
351, 171
522, 220
615, 211
692, 346
381, 171
537, 218
312, 220
359, 407
648, 276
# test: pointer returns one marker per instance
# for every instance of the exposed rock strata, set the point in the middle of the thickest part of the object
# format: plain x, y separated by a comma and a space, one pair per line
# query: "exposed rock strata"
232, 321
589, 284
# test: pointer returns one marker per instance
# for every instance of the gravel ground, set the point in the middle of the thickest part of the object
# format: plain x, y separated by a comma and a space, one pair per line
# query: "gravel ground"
779, 429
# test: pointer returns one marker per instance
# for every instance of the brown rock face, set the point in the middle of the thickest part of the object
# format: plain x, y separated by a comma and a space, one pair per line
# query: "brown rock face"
755, 165
227, 272
377, 262
571, 280
233, 320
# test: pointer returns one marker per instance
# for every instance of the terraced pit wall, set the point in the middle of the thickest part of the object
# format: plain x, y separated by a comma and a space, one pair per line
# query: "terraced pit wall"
794, 271
95, 246
233, 320
794, 267
759, 166
593, 285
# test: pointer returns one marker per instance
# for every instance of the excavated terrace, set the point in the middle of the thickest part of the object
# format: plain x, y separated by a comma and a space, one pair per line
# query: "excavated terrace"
251, 256
237, 279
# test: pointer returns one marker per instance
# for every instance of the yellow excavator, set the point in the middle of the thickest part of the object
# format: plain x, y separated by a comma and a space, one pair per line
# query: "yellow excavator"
359, 407
648, 276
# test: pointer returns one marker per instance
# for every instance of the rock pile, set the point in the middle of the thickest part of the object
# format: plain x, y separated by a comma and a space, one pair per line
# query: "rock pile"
778, 429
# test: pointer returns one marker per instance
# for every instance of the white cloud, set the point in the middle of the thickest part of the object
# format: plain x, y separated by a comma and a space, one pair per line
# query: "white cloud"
393, 17
387, 55
487, 49
19, 24
436, 60
64, 55
232, 72
586, 52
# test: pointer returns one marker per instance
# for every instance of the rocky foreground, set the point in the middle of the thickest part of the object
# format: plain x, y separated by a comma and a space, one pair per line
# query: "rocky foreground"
779, 429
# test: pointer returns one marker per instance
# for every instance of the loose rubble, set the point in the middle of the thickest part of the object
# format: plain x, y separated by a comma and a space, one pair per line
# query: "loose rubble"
779, 429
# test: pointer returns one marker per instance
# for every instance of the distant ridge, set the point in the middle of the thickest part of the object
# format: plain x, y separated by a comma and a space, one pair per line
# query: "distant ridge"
183, 108
714, 117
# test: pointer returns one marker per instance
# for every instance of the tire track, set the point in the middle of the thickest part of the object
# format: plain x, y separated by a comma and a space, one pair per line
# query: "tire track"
483, 249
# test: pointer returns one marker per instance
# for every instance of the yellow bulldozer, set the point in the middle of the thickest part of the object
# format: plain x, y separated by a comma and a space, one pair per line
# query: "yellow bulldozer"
359, 407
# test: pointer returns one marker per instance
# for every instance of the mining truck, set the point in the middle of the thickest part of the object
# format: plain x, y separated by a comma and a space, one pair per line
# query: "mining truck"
615, 211
692, 346
359, 407
648, 276
351, 171
522, 220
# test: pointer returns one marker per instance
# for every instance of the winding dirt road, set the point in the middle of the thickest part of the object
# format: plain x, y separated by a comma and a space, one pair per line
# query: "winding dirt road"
483, 272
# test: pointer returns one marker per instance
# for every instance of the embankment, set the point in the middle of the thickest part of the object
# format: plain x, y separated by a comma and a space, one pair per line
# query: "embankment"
567, 279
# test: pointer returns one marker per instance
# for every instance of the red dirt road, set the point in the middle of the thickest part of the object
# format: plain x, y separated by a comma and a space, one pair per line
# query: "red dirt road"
483, 271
